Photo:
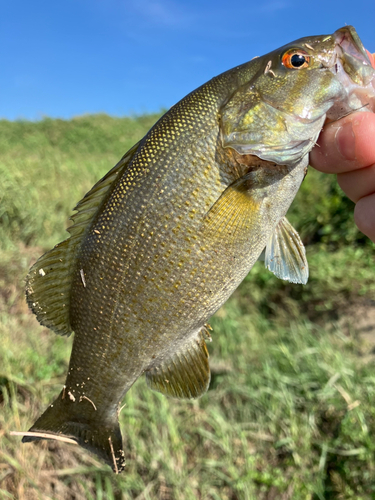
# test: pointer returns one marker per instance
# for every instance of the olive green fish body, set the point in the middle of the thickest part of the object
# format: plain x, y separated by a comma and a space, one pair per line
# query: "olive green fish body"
161, 242
154, 270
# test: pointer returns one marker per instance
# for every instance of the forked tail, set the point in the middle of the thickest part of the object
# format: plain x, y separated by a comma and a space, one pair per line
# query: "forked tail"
102, 438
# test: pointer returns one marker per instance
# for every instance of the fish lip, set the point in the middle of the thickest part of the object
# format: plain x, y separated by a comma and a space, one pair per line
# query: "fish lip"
351, 56
347, 38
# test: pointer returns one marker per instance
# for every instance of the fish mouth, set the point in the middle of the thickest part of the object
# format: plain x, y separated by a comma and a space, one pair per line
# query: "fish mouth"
352, 67
353, 57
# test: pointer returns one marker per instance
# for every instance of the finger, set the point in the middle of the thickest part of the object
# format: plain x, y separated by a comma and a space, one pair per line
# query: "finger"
358, 183
372, 58
347, 144
364, 216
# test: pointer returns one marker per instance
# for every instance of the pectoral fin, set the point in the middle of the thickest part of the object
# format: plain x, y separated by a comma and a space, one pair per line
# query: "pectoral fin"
185, 374
230, 216
285, 254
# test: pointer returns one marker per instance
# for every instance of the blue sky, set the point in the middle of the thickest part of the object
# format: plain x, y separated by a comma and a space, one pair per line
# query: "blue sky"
71, 57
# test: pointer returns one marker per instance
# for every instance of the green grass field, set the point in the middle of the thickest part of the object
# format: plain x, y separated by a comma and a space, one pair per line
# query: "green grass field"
290, 411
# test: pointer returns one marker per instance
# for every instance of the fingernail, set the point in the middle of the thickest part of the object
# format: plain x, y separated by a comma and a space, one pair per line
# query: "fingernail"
345, 141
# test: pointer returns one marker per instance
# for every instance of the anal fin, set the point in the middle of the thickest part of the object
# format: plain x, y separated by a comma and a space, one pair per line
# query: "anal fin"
186, 373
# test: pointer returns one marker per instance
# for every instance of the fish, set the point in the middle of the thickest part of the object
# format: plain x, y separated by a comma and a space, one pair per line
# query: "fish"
164, 238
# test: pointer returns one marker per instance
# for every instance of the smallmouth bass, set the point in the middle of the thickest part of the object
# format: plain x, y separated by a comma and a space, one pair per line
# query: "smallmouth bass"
161, 242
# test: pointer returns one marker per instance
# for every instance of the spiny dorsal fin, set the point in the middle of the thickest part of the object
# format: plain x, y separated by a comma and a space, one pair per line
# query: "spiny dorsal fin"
285, 254
49, 280
185, 374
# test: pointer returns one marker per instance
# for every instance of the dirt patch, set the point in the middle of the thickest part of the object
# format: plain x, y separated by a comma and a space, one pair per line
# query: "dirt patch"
359, 320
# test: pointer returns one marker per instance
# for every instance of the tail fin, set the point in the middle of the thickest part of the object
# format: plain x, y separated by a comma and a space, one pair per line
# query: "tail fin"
102, 438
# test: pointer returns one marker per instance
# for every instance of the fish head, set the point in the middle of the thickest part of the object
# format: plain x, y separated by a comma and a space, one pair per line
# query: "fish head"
279, 111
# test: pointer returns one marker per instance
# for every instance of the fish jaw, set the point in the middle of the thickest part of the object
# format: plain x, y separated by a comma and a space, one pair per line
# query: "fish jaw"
352, 67
353, 56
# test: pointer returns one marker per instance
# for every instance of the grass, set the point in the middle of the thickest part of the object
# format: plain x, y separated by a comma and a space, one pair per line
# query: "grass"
289, 413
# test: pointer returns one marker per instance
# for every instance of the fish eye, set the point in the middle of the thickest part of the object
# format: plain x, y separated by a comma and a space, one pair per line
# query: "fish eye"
295, 59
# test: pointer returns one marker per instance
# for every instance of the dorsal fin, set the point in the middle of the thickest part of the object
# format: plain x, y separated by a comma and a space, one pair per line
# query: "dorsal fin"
186, 373
49, 280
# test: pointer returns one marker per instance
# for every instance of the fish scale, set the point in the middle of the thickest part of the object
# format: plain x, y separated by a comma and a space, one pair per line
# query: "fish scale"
161, 242
121, 240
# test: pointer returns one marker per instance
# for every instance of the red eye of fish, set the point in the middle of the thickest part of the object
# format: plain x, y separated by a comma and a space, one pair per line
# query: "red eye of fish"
295, 59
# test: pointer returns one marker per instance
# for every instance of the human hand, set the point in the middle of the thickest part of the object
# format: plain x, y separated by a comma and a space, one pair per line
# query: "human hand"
347, 148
